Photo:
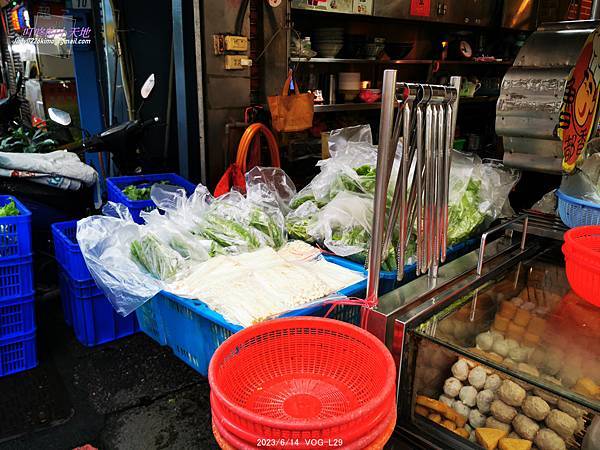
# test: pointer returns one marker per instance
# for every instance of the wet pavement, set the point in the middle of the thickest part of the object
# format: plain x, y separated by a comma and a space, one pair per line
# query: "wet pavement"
126, 395
129, 394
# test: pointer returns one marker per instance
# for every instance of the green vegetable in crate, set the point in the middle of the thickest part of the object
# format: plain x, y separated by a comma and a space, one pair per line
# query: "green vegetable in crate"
141, 193
10, 209
157, 258
134, 193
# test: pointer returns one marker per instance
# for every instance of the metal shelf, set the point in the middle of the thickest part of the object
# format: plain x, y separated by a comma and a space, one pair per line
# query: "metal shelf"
339, 107
394, 62
347, 107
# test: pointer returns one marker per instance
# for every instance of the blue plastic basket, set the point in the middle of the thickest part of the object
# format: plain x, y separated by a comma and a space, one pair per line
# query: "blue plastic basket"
67, 251
17, 353
388, 279
65, 297
115, 186
17, 316
16, 277
577, 213
15, 231
93, 318
194, 331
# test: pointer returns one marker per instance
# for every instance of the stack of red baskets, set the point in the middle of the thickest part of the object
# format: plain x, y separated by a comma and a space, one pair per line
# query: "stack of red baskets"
582, 261
302, 383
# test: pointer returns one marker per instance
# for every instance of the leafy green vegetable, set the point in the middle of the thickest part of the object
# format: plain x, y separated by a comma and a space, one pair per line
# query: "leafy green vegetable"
157, 258
227, 233
136, 193
10, 209
264, 223
23, 140
298, 229
465, 217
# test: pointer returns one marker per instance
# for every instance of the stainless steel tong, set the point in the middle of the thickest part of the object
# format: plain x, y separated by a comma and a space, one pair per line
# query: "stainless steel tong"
424, 123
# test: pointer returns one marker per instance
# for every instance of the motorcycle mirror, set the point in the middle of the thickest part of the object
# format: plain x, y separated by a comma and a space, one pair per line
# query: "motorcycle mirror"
148, 86
59, 116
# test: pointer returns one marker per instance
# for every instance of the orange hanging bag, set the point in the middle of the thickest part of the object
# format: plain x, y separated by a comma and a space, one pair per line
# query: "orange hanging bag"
291, 113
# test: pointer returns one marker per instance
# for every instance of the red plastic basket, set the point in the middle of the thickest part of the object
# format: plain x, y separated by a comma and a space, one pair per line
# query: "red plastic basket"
301, 378
375, 440
582, 262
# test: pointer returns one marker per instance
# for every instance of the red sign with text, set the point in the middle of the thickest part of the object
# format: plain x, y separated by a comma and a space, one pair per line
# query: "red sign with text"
421, 8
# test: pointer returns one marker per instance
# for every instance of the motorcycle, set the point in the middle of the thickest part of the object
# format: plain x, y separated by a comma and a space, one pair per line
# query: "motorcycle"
121, 141
10, 106
50, 204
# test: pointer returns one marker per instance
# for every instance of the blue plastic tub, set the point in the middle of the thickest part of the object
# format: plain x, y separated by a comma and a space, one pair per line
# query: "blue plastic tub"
194, 331
93, 317
15, 231
115, 186
16, 277
17, 353
67, 252
575, 212
17, 316
388, 279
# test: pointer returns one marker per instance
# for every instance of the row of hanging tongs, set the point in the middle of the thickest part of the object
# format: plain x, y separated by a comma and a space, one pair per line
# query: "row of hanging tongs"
418, 140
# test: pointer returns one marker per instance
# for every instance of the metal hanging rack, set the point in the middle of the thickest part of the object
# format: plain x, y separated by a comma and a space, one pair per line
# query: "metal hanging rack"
424, 123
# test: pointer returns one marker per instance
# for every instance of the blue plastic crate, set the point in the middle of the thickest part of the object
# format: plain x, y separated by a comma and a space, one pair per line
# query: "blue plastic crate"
115, 186
15, 231
93, 318
17, 316
67, 251
16, 276
65, 297
575, 212
388, 279
194, 331
17, 354
150, 322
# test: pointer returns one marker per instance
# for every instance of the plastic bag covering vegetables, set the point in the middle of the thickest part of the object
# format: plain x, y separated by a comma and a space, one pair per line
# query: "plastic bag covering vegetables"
478, 193
235, 224
132, 262
105, 242
10, 209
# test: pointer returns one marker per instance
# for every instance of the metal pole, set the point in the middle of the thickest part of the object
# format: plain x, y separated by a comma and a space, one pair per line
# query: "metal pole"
180, 87
595, 14
383, 168
200, 89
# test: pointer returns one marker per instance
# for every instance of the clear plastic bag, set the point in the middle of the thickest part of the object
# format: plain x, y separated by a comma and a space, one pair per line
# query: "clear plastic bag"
270, 186
299, 220
171, 233
547, 204
344, 224
105, 242
585, 182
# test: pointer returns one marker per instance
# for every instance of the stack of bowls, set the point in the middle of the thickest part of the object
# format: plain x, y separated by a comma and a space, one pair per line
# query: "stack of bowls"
349, 85
328, 41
